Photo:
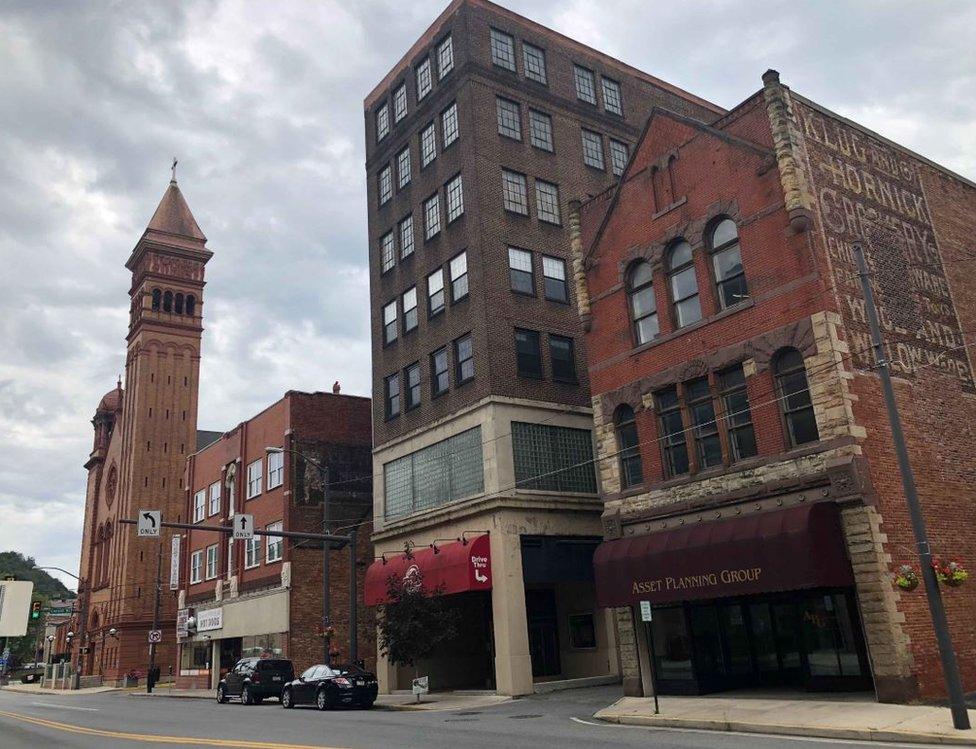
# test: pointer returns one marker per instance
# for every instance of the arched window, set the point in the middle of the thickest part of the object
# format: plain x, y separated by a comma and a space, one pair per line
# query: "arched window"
628, 446
156, 296
191, 304
794, 395
684, 284
643, 306
168, 301
179, 304
730, 278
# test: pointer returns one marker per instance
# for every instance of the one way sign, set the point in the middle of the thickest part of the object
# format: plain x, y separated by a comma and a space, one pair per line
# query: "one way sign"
244, 527
149, 521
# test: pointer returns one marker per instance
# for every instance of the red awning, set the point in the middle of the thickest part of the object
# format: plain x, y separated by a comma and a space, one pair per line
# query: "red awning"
454, 567
802, 547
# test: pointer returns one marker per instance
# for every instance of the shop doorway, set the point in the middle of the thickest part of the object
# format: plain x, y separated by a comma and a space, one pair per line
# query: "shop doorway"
540, 610
230, 653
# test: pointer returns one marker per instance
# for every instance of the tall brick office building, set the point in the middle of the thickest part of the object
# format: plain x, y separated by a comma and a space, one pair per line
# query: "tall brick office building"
751, 491
477, 141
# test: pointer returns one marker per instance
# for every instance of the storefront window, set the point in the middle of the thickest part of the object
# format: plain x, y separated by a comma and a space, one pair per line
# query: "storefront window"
262, 646
582, 633
708, 641
195, 655
830, 636
672, 645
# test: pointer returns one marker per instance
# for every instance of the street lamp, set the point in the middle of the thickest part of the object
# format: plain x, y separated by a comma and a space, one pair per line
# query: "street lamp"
324, 479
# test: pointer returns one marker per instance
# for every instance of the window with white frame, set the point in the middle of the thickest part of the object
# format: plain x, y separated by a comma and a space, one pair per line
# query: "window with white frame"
428, 145
535, 63
449, 125
252, 552
503, 49
585, 85
619, 155
276, 469
514, 194
382, 122
214, 498
409, 309
459, 276
390, 322
521, 277
196, 567
540, 130
423, 79
445, 58
199, 505
276, 544
509, 118
455, 198
211, 562
435, 292
387, 252
592, 149
612, 101
554, 279
385, 184
547, 201
406, 236
400, 103
254, 478
432, 216
403, 168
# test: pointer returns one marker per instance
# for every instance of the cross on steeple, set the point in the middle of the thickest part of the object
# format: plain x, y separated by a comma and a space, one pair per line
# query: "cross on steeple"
175, 162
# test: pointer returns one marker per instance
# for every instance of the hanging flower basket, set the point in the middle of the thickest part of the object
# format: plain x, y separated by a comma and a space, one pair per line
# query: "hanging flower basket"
328, 632
906, 578
951, 574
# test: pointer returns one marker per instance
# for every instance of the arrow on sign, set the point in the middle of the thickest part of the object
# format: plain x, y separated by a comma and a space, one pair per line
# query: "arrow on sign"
150, 518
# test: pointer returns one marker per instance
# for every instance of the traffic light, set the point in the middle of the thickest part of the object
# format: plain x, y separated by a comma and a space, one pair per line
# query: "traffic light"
35, 610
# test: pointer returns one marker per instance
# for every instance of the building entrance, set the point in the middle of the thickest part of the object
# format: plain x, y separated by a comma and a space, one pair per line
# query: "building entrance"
804, 639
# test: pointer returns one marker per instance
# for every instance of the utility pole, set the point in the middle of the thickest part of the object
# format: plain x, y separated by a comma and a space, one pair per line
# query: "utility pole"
150, 677
326, 548
82, 620
950, 669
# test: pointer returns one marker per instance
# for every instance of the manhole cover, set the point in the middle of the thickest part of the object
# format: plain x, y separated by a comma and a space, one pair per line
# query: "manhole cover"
522, 717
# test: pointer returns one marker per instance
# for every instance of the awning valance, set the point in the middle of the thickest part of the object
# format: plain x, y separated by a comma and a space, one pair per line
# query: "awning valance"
453, 567
801, 547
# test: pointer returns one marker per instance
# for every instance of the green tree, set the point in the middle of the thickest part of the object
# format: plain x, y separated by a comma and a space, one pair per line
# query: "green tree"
46, 587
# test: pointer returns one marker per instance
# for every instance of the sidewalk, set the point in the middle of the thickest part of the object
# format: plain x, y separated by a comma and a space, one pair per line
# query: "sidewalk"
38, 689
836, 719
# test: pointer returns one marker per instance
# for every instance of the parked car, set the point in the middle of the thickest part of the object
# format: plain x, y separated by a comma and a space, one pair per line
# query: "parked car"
255, 679
327, 687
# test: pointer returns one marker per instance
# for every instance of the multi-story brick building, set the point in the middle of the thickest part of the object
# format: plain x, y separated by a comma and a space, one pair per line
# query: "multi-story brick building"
142, 437
476, 142
264, 596
751, 490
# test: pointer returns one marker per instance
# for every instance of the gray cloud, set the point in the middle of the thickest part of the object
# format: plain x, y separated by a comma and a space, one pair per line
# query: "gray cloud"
262, 102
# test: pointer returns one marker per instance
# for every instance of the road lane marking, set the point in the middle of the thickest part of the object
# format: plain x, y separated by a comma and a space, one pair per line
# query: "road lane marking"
65, 707
154, 738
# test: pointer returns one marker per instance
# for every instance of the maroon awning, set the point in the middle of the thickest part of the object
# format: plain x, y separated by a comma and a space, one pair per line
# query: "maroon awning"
453, 568
802, 547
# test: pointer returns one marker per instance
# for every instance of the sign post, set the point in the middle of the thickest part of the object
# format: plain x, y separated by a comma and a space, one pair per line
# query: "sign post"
421, 685
647, 616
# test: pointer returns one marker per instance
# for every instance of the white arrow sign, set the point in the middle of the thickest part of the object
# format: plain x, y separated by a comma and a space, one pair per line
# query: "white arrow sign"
244, 527
149, 521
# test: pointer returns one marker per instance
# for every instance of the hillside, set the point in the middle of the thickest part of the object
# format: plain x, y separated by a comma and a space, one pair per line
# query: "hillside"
45, 586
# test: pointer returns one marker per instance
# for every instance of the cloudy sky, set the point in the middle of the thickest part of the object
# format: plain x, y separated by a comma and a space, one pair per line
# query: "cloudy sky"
262, 103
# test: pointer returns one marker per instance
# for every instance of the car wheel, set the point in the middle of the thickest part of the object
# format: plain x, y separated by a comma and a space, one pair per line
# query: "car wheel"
246, 697
322, 701
221, 694
286, 700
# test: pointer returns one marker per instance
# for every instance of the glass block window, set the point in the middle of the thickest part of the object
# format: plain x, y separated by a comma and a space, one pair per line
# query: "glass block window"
459, 276
428, 145
435, 292
403, 168
432, 216
552, 458
540, 130
463, 360
520, 271
382, 122
423, 79
619, 154
514, 193
534, 60
528, 353
554, 277
440, 380
455, 198
503, 49
547, 201
411, 377
585, 84
410, 309
562, 356
592, 149
385, 184
387, 252
449, 125
509, 118
406, 236
400, 103
390, 327
443, 472
391, 396
445, 58
612, 100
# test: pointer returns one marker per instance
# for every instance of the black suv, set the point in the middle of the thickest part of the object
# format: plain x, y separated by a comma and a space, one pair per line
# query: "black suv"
327, 687
253, 679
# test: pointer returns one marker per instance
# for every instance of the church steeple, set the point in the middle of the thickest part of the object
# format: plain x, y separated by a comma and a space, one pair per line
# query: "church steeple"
173, 215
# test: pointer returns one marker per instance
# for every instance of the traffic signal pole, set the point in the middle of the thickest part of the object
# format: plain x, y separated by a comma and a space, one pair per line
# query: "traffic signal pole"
151, 676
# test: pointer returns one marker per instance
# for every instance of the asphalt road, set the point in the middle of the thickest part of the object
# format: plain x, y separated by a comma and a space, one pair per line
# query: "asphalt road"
116, 720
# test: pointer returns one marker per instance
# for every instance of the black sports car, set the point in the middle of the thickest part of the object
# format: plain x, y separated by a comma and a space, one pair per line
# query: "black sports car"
331, 686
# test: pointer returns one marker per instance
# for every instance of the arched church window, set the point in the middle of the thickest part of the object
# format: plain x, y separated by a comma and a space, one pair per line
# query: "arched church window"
179, 304
156, 296
168, 301
191, 304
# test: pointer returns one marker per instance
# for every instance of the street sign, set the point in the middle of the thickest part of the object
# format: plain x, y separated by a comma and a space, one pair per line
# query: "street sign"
59, 611
243, 527
182, 624
645, 611
155, 635
174, 563
149, 521
421, 685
